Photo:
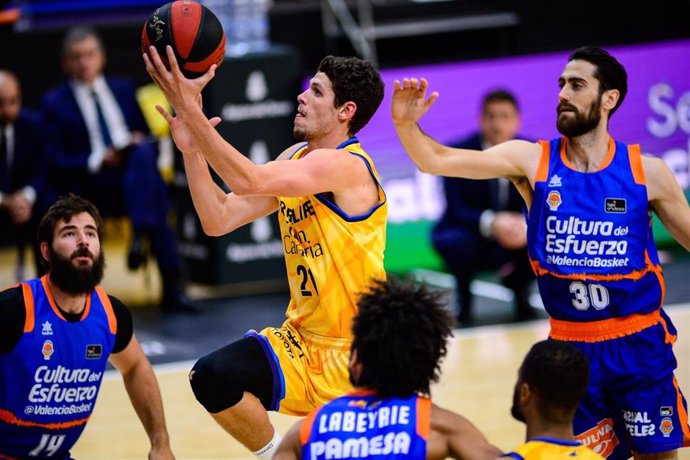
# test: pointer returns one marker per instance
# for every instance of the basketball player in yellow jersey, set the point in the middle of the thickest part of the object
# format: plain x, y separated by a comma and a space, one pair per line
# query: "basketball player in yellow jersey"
551, 383
332, 214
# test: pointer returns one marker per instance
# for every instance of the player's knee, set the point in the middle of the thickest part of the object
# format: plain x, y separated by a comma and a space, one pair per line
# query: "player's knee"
213, 385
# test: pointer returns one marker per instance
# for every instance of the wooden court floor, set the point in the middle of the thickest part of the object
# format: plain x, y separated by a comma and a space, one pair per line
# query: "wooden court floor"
477, 381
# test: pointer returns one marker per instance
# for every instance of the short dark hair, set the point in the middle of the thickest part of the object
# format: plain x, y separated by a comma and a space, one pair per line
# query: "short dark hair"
355, 80
400, 336
608, 71
77, 34
63, 210
558, 373
499, 95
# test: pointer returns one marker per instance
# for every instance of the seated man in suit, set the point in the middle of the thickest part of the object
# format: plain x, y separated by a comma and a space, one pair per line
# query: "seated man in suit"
22, 169
482, 226
98, 146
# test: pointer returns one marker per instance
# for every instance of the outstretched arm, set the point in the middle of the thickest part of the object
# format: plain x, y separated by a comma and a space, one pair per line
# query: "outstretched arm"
667, 199
289, 448
323, 170
143, 391
452, 435
514, 159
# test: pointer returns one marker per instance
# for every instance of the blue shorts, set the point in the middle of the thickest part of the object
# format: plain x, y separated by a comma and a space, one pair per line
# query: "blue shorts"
633, 402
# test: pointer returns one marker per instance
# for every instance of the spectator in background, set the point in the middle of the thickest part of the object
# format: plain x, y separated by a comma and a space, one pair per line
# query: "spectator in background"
391, 375
57, 334
22, 168
552, 381
98, 146
482, 226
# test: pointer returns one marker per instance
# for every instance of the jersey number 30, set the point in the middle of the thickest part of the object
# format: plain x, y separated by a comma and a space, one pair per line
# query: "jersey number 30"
595, 295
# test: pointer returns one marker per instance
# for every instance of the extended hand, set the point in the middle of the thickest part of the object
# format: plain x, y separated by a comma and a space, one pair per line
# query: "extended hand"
409, 100
180, 91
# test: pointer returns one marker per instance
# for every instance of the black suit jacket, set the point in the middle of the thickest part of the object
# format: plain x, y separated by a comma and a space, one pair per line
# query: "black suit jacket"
28, 165
68, 142
466, 199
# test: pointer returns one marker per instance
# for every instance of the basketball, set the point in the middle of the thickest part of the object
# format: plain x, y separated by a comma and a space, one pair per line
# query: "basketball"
192, 30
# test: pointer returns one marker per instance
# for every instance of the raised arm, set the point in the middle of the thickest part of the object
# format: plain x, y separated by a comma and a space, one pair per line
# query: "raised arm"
325, 170
513, 159
143, 391
667, 200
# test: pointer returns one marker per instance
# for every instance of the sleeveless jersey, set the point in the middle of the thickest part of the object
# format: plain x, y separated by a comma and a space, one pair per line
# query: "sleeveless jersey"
590, 237
331, 257
362, 425
52, 376
553, 449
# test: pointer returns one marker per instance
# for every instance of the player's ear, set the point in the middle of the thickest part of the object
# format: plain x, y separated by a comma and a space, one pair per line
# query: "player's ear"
44, 250
347, 111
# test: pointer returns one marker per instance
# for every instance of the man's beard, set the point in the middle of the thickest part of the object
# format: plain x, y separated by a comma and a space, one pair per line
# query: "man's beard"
515, 408
581, 123
75, 280
300, 134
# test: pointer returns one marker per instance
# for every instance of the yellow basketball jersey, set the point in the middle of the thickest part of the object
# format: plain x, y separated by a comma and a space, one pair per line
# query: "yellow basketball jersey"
553, 449
331, 257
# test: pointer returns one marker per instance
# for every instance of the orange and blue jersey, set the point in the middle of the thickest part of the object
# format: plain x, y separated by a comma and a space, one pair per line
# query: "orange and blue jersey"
590, 237
331, 257
361, 424
52, 376
591, 245
545, 448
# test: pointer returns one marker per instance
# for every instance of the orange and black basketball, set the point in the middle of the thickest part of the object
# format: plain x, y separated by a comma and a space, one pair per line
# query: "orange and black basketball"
193, 31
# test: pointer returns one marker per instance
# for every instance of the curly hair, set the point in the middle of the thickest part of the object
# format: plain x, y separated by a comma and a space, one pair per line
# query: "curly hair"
400, 336
63, 210
558, 373
354, 80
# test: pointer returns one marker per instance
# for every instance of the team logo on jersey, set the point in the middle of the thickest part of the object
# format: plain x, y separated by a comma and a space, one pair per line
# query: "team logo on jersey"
47, 349
555, 181
94, 351
616, 205
553, 199
666, 411
361, 403
47, 328
666, 426
600, 438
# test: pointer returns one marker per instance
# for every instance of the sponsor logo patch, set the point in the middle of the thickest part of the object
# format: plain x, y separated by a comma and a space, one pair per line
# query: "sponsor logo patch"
601, 438
94, 351
616, 205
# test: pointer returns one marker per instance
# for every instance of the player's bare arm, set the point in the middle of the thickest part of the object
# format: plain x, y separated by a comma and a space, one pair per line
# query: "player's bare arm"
142, 388
513, 159
667, 200
452, 435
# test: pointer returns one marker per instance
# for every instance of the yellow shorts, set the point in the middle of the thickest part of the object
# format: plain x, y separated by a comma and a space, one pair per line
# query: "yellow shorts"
308, 370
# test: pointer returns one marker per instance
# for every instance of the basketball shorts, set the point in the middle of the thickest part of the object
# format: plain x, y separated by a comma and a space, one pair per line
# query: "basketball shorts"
308, 370
633, 402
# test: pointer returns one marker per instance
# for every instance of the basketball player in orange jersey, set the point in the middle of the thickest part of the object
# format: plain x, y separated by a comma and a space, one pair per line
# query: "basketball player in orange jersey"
400, 336
332, 213
591, 246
